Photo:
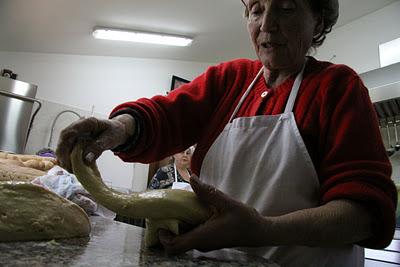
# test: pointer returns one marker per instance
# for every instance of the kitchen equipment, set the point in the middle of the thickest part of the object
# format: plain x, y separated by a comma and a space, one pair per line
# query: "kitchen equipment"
396, 135
390, 149
384, 90
16, 118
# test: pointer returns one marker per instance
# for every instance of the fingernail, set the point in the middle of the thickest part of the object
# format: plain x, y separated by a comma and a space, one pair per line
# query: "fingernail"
165, 236
89, 157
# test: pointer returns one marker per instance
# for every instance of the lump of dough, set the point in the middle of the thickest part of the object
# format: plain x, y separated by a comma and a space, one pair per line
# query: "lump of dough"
12, 172
30, 212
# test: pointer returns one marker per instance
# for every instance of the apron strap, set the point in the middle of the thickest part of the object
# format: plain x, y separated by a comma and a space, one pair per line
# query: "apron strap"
176, 173
292, 97
295, 89
246, 94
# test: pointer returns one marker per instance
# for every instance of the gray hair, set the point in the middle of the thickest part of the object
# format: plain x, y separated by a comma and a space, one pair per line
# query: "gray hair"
329, 12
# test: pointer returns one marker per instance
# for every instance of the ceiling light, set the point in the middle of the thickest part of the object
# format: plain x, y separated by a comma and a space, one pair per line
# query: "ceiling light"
141, 37
389, 52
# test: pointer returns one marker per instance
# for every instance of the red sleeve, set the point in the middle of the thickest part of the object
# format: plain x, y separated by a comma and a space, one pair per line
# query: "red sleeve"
355, 165
174, 122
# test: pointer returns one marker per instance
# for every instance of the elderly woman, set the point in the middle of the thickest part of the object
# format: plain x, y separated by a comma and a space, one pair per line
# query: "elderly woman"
289, 152
175, 175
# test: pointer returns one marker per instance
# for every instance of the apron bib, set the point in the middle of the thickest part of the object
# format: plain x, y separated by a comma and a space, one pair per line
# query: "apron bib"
180, 185
263, 162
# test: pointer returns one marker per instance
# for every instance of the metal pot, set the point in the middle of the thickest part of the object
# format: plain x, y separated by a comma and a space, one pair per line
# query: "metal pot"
16, 103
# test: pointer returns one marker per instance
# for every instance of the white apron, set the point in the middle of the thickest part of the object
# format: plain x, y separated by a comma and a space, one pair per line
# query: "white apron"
263, 162
180, 185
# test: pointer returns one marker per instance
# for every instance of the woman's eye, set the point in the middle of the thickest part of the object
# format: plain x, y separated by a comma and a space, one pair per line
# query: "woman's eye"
287, 9
255, 10
288, 6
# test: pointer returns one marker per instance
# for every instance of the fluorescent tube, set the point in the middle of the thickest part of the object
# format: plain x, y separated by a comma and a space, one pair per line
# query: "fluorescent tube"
141, 37
389, 52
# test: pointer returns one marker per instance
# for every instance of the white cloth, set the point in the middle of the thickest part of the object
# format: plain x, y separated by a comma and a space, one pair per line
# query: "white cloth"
263, 162
67, 186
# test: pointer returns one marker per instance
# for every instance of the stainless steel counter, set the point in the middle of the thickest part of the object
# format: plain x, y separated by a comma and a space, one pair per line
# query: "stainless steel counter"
114, 244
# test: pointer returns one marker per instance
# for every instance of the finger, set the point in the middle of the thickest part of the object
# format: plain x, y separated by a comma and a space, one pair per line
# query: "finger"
166, 237
94, 148
69, 137
210, 195
111, 135
198, 238
171, 243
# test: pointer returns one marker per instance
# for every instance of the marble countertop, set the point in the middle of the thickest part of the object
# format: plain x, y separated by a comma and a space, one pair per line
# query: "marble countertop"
114, 244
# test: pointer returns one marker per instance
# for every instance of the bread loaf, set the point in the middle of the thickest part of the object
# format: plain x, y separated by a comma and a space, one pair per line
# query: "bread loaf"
31, 161
6, 155
30, 212
9, 172
15, 162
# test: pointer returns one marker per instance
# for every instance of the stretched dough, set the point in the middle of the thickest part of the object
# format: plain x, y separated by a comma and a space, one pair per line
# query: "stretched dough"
163, 208
30, 212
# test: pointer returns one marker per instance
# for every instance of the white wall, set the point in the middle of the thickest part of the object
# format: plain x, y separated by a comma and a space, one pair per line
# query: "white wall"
83, 81
80, 82
356, 43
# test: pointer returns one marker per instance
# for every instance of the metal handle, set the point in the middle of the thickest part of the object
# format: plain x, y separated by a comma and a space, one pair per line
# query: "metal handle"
54, 123
21, 97
29, 99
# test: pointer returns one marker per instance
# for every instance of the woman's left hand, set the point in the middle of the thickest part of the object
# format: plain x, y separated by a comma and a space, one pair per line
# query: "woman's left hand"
232, 224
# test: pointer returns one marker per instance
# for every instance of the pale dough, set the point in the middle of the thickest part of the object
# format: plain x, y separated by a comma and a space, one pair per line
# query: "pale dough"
31, 161
11, 170
30, 212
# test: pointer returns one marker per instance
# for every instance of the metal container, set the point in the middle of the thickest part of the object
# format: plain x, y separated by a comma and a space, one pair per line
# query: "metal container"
383, 83
16, 103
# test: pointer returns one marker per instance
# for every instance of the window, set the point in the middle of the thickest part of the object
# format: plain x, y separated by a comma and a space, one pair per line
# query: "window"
389, 52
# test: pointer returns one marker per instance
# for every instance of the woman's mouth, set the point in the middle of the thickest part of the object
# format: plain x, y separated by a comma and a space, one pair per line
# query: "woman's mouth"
270, 45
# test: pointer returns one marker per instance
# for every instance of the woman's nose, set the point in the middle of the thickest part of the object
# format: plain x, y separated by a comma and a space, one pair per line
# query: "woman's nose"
269, 21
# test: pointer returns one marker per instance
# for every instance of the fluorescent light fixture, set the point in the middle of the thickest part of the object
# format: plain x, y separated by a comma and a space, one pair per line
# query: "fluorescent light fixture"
141, 37
389, 53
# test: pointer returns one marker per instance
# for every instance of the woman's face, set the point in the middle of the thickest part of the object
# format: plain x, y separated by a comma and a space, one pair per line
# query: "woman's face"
281, 31
182, 159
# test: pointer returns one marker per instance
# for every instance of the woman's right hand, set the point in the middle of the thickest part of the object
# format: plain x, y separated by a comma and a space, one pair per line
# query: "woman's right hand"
98, 135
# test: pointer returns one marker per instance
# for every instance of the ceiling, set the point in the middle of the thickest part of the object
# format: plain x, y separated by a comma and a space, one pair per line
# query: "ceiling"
64, 26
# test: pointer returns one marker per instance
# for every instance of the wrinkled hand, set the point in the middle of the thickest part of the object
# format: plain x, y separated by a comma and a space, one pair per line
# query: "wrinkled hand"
98, 135
232, 224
